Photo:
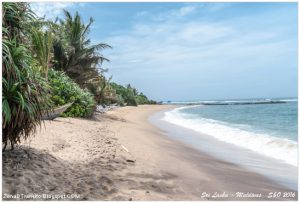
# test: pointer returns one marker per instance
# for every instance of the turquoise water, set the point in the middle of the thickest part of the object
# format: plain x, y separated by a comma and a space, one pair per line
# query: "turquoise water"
267, 129
278, 120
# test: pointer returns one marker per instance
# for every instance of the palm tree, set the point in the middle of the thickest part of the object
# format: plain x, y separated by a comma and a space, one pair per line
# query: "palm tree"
101, 89
42, 45
73, 51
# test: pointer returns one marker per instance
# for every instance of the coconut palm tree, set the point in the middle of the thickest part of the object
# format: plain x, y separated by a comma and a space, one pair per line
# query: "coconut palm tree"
42, 45
73, 51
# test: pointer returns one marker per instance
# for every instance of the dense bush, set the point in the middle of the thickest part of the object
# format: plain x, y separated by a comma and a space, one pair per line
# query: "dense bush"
142, 99
130, 96
64, 91
24, 93
127, 94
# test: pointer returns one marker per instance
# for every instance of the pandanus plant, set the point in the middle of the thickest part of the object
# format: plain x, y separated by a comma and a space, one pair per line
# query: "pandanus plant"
24, 92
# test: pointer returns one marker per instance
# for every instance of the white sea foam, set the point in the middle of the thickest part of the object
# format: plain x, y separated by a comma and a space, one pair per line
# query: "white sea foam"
231, 101
278, 148
289, 100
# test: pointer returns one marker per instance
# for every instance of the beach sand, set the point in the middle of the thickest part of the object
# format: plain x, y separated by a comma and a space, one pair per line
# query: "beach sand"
119, 155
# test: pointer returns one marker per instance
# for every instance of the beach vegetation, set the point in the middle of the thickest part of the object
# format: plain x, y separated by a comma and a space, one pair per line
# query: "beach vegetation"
126, 94
42, 45
102, 90
47, 64
24, 92
130, 96
65, 90
73, 52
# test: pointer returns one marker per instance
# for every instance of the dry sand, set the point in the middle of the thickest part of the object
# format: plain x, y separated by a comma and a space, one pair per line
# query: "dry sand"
119, 155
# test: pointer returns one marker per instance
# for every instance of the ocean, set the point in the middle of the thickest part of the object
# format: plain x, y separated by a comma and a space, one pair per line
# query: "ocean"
261, 135
268, 129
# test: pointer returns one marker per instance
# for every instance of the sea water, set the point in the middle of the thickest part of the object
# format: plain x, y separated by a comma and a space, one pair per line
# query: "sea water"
264, 136
268, 129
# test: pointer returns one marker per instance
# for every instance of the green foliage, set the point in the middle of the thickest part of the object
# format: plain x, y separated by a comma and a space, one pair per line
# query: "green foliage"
141, 99
42, 46
130, 96
100, 88
24, 92
120, 100
73, 52
126, 94
64, 91
30, 48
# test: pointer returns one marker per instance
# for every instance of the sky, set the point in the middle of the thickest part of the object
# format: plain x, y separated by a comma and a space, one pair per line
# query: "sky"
195, 51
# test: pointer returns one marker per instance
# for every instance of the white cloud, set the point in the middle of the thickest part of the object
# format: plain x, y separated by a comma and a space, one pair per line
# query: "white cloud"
178, 49
142, 13
166, 42
176, 13
186, 10
218, 6
171, 14
50, 9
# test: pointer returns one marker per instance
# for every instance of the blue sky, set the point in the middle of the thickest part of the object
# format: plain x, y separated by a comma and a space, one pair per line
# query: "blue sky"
195, 51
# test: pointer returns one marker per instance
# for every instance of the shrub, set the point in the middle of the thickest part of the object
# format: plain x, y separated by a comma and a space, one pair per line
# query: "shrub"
120, 100
141, 99
130, 99
130, 96
126, 94
65, 90
24, 93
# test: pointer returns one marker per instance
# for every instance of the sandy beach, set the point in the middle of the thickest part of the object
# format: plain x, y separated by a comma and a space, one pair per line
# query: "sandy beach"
119, 155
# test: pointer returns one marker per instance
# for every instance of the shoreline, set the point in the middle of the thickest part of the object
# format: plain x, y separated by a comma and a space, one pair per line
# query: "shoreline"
192, 158
121, 156
285, 174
